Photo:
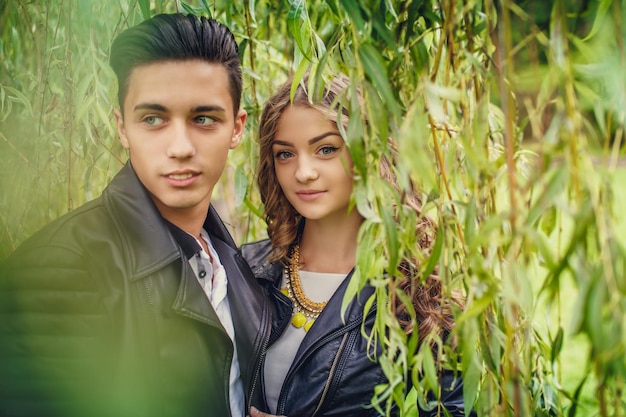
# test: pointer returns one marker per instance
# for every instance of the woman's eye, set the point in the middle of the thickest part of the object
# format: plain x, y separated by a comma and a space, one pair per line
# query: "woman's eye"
328, 150
283, 155
153, 120
205, 120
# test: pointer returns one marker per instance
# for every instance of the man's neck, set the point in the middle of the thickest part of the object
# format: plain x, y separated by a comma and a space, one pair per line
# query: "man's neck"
191, 221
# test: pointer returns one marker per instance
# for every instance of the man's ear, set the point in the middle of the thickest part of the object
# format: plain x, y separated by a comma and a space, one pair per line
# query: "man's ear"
121, 129
240, 123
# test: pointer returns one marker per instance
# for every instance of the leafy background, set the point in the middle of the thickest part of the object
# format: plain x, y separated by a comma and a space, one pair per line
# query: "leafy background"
509, 115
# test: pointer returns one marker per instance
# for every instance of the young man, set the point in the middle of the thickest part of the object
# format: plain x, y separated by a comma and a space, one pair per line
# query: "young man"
128, 305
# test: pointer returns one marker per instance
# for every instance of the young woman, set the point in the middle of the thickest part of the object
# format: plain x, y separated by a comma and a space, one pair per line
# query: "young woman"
318, 362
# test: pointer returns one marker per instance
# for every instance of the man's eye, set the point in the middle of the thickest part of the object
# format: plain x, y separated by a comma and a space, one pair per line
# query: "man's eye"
205, 120
153, 120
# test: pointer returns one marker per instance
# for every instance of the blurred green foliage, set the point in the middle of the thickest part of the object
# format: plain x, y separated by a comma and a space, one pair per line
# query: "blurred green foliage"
509, 116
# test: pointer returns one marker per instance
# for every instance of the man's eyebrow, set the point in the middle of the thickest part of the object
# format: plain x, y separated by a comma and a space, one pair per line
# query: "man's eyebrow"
160, 107
150, 106
207, 108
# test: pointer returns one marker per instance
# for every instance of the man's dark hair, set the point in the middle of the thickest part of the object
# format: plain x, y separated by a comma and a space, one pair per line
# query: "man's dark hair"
176, 37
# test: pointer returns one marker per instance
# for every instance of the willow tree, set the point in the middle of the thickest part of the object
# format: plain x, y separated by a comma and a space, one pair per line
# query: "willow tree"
509, 117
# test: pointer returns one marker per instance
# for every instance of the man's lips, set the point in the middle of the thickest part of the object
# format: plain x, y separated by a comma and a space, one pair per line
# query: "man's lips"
181, 178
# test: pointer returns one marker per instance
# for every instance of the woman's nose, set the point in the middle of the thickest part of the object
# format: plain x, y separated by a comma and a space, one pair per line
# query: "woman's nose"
306, 170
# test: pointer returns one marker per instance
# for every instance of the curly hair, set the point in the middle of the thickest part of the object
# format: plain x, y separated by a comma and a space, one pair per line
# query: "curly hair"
284, 224
283, 221
433, 312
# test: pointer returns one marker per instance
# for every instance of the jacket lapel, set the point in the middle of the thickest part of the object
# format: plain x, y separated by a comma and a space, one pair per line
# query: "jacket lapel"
250, 308
191, 301
147, 243
330, 319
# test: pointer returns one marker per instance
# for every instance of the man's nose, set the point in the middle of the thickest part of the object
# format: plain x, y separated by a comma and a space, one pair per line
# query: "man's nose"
181, 145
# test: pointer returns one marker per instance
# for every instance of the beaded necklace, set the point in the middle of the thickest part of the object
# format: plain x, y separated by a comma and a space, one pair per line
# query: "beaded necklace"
305, 311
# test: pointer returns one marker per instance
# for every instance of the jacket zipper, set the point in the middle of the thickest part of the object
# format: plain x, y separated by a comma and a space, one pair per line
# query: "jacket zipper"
148, 293
260, 355
282, 400
331, 374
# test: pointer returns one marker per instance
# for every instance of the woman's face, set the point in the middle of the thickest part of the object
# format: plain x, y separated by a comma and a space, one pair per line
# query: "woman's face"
312, 164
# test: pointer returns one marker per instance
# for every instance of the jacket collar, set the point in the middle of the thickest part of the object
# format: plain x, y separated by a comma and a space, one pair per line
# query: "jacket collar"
330, 320
141, 225
187, 243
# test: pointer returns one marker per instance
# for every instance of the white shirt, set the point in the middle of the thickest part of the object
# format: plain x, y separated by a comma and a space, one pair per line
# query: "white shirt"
212, 276
318, 287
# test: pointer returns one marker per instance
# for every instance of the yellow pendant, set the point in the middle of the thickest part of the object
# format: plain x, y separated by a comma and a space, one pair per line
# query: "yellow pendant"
285, 291
298, 320
308, 325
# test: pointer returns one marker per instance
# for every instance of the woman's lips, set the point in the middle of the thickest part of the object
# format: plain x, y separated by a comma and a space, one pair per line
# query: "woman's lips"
309, 195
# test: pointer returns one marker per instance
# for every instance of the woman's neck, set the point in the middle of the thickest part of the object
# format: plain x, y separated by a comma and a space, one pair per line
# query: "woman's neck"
330, 246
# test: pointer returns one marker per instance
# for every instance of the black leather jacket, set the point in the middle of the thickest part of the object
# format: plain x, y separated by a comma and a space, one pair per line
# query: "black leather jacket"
332, 374
101, 315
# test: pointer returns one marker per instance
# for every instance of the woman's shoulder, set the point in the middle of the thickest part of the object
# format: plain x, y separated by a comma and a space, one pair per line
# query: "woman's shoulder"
256, 253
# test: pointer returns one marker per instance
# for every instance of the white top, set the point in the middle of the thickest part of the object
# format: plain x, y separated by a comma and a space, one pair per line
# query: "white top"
212, 276
318, 287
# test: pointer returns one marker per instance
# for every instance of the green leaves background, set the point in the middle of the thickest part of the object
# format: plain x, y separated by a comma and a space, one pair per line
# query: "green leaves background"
508, 115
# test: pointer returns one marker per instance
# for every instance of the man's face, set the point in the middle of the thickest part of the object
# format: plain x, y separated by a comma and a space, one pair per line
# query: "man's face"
178, 125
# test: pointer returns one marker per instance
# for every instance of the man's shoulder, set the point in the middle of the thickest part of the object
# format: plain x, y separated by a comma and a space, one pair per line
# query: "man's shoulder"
72, 230
89, 222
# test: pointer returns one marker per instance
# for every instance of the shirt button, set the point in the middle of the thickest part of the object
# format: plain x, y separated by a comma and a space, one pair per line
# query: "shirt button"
202, 274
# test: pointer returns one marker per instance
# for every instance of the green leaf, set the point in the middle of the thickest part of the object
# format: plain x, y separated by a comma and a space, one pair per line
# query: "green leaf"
470, 221
188, 8
429, 368
354, 12
471, 381
144, 5
435, 255
251, 9
375, 69
555, 186
600, 18
548, 220
241, 186
298, 76
557, 345
19, 97
363, 203
253, 208
477, 305
391, 235
207, 8
297, 23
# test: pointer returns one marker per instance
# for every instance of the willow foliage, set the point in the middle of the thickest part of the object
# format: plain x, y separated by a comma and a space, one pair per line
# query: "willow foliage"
508, 115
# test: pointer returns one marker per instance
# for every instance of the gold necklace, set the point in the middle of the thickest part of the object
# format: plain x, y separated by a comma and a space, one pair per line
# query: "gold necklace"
305, 311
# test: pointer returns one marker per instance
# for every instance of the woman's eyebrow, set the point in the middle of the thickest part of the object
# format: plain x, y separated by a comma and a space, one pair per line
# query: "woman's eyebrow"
310, 141
322, 136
